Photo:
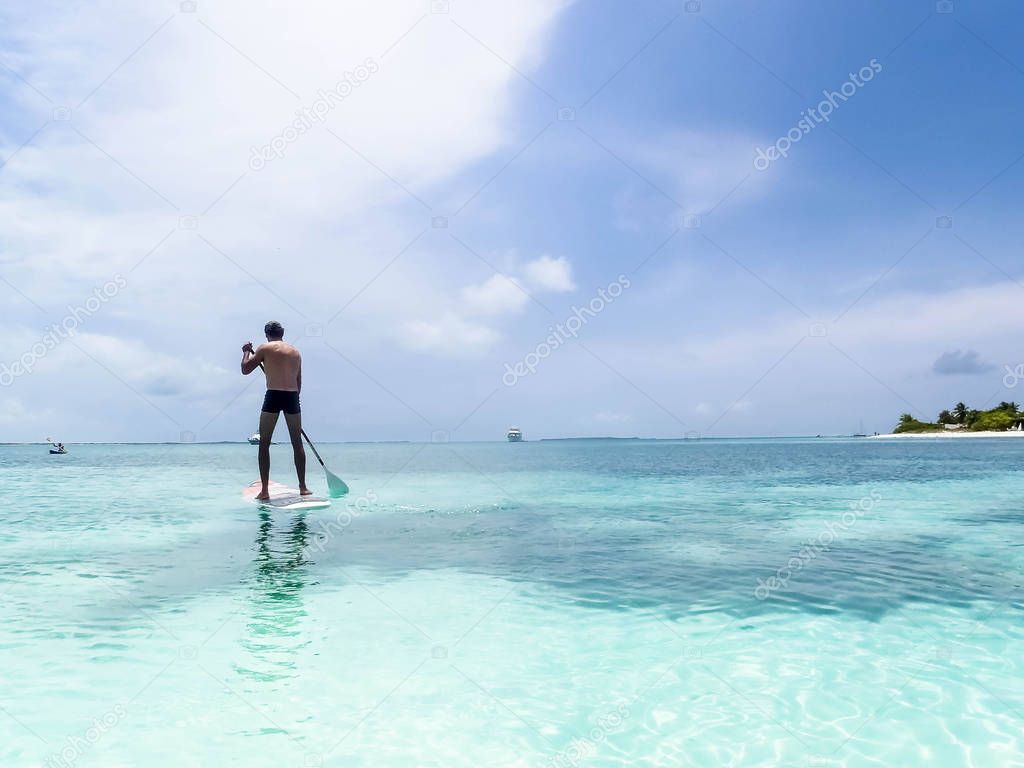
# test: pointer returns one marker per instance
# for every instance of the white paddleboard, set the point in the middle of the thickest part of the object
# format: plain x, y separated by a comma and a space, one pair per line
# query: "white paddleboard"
283, 497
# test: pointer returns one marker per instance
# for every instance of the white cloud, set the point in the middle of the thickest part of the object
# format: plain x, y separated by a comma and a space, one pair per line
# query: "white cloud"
611, 417
495, 296
455, 334
151, 371
873, 364
699, 169
168, 134
14, 412
904, 328
548, 274
451, 336
155, 373
498, 295
183, 112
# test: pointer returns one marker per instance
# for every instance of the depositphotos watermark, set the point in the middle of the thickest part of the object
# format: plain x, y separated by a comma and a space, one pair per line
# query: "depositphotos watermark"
317, 112
1013, 375
78, 745
582, 749
58, 332
815, 116
332, 528
822, 543
559, 334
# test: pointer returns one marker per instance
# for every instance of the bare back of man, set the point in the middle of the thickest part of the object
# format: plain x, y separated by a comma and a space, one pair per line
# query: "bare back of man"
282, 364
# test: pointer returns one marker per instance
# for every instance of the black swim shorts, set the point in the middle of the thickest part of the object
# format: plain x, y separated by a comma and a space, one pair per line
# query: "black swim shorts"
278, 400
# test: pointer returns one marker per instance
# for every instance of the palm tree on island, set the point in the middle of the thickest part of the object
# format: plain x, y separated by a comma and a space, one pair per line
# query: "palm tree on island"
1004, 417
960, 413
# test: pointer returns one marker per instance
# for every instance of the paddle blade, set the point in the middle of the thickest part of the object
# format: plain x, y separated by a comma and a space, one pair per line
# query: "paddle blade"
335, 484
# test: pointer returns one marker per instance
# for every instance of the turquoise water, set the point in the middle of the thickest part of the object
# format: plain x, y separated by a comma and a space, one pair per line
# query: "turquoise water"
694, 603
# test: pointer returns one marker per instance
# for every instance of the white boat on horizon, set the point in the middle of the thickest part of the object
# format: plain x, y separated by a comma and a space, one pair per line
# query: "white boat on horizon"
514, 435
255, 439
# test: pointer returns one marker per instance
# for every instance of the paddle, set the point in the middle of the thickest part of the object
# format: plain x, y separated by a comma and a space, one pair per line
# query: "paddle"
335, 484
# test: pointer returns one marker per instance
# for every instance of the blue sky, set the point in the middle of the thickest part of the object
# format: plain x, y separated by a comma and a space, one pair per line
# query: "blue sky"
802, 299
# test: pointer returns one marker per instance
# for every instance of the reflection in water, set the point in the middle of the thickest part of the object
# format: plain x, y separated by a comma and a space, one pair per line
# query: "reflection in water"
274, 632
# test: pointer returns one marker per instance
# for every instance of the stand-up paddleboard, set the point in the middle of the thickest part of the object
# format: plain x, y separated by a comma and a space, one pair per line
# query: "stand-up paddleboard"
283, 497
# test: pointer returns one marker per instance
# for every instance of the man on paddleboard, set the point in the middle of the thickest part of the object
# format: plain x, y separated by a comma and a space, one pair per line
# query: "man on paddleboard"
282, 364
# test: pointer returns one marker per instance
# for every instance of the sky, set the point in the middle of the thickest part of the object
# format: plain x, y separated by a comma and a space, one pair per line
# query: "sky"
656, 219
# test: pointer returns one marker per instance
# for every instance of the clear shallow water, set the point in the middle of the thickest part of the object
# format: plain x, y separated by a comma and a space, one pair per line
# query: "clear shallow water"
541, 604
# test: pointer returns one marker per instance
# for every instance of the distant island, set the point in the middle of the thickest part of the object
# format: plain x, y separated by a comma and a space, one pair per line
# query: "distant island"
1003, 418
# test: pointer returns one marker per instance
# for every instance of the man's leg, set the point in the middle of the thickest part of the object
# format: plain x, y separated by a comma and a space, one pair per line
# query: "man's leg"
267, 423
294, 422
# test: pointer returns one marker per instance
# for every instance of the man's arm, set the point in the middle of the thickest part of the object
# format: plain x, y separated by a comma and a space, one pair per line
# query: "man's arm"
298, 377
251, 358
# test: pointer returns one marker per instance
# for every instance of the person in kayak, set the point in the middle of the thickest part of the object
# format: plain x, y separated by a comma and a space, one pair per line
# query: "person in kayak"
282, 364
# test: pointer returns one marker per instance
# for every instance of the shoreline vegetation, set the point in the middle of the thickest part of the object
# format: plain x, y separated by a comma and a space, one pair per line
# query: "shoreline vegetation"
944, 435
961, 421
